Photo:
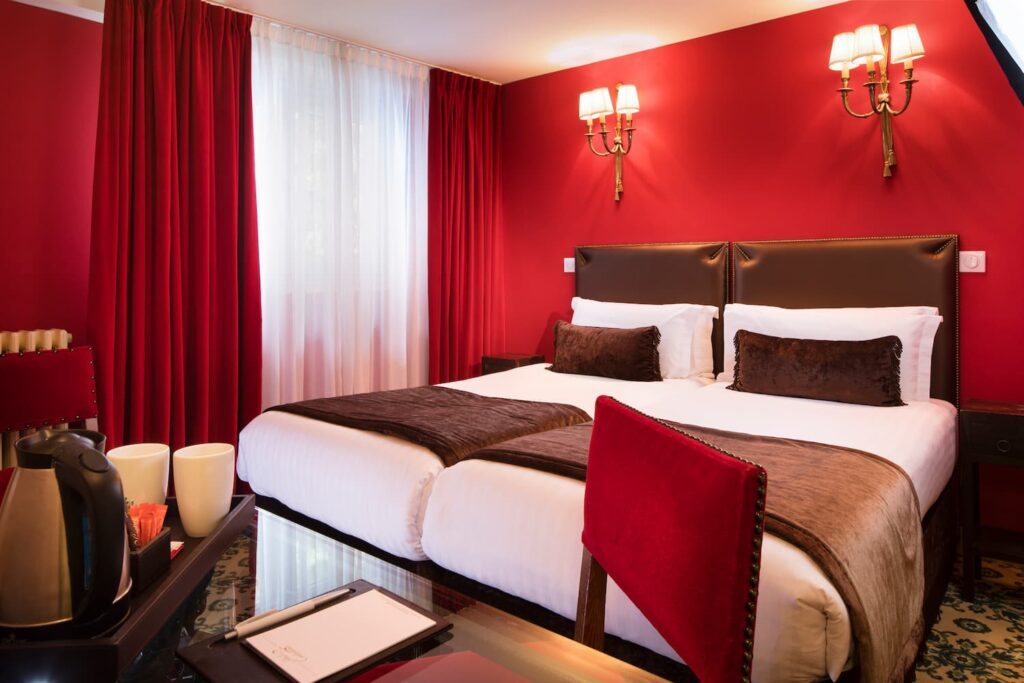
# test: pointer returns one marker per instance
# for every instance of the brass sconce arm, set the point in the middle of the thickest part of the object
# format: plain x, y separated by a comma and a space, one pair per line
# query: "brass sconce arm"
845, 93
908, 84
616, 146
875, 98
590, 143
629, 139
604, 139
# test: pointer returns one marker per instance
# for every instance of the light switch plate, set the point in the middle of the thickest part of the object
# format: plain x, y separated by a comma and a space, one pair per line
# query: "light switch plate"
972, 262
568, 265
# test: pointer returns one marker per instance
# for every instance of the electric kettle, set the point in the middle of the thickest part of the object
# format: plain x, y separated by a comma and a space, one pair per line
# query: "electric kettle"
63, 545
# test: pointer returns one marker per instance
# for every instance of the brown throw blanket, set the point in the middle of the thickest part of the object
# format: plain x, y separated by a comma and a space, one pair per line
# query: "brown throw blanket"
855, 514
449, 422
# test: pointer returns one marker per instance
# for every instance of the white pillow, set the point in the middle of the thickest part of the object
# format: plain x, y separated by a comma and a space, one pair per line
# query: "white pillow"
914, 325
702, 357
685, 349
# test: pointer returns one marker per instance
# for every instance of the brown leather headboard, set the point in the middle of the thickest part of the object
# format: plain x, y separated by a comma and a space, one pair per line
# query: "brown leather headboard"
692, 273
898, 271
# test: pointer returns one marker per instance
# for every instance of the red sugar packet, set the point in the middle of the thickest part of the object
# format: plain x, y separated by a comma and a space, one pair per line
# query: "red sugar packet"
148, 519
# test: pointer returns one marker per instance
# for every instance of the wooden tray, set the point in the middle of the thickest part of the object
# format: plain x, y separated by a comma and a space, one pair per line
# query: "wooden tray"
104, 658
151, 561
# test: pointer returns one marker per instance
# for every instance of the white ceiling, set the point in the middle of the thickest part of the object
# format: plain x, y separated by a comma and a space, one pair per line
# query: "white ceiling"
506, 40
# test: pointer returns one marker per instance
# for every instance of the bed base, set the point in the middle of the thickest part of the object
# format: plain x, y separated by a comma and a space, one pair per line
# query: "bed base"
940, 549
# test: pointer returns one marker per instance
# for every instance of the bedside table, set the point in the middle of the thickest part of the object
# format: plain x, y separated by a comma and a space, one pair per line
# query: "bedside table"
506, 361
991, 432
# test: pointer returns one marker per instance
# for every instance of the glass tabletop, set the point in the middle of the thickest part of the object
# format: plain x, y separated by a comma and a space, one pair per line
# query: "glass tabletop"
277, 563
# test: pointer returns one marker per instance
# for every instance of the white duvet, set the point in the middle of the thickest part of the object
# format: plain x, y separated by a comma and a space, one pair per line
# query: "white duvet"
519, 530
375, 487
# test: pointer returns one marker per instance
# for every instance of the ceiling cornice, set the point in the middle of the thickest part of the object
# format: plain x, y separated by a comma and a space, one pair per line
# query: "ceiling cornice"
83, 9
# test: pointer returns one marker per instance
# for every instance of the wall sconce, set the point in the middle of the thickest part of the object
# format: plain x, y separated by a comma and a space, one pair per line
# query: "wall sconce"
596, 104
866, 46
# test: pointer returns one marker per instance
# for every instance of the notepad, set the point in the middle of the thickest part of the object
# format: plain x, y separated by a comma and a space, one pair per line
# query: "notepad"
337, 637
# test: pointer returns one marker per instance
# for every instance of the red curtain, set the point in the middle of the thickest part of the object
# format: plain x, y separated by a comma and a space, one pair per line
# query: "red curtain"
466, 290
174, 300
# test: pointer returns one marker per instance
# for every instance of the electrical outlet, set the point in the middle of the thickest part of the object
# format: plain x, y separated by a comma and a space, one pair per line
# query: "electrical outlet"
568, 265
972, 262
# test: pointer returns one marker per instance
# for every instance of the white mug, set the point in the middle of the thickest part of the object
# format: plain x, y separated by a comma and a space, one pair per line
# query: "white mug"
204, 477
143, 468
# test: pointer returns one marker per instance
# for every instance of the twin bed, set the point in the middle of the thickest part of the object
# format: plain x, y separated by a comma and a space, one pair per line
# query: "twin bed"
518, 529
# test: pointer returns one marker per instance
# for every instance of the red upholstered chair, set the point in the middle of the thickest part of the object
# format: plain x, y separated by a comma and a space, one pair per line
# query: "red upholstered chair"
678, 525
44, 389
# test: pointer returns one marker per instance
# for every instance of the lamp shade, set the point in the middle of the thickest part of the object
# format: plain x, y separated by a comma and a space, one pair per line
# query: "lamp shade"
626, 100
587, 106
868, 44
842, 52
906, 44
602, 102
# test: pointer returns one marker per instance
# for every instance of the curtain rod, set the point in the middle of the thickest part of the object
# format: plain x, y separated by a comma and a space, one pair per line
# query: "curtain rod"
388, 53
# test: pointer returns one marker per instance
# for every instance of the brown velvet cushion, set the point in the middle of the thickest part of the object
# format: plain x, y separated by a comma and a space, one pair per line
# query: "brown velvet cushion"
865, 372
608, 352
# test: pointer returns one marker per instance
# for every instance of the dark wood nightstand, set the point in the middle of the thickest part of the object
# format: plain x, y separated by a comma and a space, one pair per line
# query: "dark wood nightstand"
991, 432
506, 361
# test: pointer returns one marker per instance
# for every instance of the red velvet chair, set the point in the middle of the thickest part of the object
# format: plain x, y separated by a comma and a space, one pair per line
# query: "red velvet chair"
44, 389
678, 525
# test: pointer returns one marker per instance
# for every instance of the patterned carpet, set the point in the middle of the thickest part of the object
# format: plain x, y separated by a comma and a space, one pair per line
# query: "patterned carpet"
984, 640
981, 641
231, 595
216, 605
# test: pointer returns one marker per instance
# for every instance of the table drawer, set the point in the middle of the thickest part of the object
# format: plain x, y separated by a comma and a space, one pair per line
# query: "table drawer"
995, 434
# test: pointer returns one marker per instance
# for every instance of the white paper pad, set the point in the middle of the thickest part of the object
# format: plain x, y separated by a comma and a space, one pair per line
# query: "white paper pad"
337, 637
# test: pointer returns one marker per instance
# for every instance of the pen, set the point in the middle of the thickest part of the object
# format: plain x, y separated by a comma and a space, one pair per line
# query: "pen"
275, 617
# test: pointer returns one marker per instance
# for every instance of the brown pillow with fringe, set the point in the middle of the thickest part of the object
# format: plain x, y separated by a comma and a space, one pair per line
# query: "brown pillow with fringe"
863, 372
630, 354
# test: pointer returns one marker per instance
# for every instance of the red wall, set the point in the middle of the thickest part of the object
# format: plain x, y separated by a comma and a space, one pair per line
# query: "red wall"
50, 69
741, 136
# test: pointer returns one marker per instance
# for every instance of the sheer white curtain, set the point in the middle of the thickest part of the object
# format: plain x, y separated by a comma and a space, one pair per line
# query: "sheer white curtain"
341, 179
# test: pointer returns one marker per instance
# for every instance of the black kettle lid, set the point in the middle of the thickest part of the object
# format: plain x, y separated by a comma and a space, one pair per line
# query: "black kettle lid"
35, 451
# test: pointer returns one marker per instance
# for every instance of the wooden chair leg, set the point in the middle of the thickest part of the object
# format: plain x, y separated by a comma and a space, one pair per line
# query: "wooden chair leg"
591, 606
